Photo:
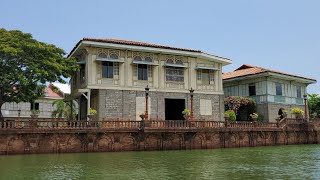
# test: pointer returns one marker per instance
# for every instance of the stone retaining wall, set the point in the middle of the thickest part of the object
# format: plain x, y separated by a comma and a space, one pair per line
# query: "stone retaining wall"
143, 141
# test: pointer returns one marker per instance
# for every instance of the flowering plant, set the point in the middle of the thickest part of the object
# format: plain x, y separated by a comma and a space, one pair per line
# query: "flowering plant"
235, 102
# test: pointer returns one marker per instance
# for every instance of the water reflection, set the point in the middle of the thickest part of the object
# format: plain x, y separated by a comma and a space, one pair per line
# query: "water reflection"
281, 162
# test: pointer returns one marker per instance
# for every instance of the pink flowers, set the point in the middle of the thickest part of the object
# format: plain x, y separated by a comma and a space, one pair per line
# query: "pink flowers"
235, 102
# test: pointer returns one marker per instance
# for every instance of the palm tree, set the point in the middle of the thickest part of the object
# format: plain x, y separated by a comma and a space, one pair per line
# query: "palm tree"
64, 109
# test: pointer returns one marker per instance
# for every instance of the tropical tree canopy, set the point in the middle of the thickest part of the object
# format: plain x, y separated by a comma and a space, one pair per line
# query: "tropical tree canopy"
314, 105
27, 64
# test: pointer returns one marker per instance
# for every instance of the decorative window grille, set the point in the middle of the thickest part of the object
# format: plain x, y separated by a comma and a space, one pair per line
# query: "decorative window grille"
116, 68
137, 58
148, 59
114, 56
149, 71
102, 55
211, 75
178, 60
174, 74
199, 75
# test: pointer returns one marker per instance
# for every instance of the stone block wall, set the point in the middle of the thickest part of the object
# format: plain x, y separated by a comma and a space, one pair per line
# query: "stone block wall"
31, 143
122, 104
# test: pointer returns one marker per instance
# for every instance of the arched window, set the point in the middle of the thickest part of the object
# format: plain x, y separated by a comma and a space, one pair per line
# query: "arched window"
102, 55
148, 59
170, 61
137, 58
114, 56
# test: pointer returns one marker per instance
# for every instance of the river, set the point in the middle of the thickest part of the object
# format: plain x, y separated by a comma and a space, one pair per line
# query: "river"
278, 162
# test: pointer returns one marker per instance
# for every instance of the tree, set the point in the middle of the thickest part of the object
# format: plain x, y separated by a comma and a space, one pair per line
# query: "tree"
64, 109
27, 64
314, 105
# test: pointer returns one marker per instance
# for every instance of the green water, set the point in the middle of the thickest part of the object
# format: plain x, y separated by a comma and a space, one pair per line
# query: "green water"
280, 162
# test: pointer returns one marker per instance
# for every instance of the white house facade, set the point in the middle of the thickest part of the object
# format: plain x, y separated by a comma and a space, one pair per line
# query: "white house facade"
114, 73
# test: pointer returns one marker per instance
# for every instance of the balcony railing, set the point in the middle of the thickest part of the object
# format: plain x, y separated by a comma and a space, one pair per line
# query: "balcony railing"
149, 125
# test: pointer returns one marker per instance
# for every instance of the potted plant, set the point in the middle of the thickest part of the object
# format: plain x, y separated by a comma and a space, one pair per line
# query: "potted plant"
186, 114
34, 113
230, 115
254, 116
297, 112
92, 112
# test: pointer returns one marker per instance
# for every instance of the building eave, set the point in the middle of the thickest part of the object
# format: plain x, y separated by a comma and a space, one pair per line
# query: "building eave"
210, 57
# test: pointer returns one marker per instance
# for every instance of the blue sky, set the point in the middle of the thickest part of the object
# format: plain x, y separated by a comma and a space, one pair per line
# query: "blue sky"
281, 35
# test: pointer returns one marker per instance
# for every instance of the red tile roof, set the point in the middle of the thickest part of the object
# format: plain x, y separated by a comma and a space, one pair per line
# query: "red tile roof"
247, 70
136, 43
51, 93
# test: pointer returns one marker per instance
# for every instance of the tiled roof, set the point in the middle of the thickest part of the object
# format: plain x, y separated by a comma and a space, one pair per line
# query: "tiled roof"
135, 43
247, 70
143, 44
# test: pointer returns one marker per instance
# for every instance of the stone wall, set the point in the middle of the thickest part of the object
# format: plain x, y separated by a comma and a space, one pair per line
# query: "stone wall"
142, 141
273, 109
122, 104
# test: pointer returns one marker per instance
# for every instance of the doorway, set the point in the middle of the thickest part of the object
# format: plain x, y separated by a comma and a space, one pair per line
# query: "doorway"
174, 108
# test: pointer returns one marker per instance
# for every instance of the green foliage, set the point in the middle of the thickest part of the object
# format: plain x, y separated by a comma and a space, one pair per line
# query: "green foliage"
27, 64
186, 112
314, 105
297, 112
254, 115
231, 115
64, 109
92, 111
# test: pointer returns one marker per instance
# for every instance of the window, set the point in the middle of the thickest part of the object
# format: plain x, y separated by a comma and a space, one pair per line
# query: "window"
137, 58
107, 69
114, 56
205, 76
299, 92
174, 74
34, 106
252, 89
142, 72
82, 73
278, 89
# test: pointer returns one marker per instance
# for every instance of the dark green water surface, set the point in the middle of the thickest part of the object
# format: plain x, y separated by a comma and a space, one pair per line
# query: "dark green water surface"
280, 162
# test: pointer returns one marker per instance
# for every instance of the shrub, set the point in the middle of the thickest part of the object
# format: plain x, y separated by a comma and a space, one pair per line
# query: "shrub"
186, 112
297, 112
92, 111
254, 115
231, 115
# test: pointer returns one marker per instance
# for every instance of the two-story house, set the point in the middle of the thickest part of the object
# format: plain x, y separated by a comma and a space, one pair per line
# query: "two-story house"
271, 89
114, 73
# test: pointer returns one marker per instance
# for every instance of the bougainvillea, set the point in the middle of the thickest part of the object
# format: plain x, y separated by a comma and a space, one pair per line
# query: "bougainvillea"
235, 102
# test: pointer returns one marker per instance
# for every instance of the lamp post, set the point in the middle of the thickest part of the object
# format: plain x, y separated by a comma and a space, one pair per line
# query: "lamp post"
305, 98
147, 94
191, 103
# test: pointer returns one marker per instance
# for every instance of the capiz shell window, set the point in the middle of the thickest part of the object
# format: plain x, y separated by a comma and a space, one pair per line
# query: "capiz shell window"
174, 74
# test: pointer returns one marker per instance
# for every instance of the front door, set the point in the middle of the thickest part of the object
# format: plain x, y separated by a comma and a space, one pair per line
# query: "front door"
174, 108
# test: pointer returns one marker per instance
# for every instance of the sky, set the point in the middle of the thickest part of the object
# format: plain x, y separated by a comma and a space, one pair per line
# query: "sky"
280, 35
